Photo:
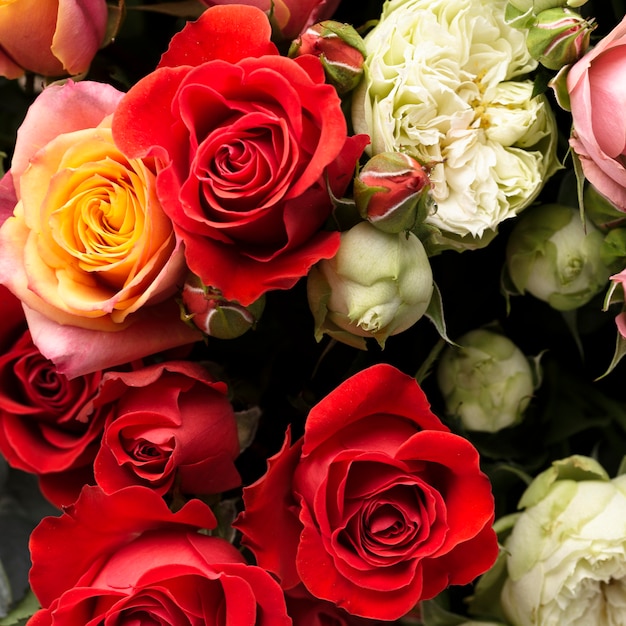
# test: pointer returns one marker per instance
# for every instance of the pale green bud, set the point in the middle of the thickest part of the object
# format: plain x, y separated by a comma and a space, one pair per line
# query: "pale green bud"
486, 381
553, 256
559, 37
377, 285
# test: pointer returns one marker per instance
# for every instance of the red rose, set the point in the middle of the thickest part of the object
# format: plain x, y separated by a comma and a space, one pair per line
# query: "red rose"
134, 561
377, 506
47, 423
249, 141
167, 423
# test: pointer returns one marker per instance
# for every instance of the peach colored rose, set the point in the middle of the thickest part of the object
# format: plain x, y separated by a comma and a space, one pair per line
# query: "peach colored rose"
597, 96
88, 247
50, 37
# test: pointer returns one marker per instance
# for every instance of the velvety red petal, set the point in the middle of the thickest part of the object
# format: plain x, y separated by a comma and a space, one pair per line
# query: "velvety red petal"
462, 565
313, 559
143, 120
454, 471
367, 394
244, 279
63, 488
230, 32
273, 539
100, 524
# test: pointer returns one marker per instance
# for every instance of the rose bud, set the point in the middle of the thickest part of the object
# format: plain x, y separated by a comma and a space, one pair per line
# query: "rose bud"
390, 191
537, 6
559, 37
340, 49
486, 381
215, 316
378, 284
556, 258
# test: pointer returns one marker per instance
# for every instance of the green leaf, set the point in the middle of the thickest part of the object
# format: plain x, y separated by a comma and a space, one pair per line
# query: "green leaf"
427, 366
19, 616
434, 313
620, 351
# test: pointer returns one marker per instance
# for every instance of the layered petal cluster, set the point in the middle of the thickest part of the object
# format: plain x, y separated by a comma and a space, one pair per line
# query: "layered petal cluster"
370, 508
88, 247
248, 143
134, 561
566, 558
444, 83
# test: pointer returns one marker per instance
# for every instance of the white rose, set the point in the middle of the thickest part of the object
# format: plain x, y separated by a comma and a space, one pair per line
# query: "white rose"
441, 84
567, 551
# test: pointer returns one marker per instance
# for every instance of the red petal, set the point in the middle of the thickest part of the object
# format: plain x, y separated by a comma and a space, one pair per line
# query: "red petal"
274, 545
230, 33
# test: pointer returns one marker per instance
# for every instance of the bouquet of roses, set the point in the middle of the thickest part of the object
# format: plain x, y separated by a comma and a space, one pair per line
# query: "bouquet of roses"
313, 314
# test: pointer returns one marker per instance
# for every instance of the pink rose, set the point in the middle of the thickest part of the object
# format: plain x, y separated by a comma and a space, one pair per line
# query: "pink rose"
597, 93
167, 424
249, 142
127, 559
95, 263
50, 37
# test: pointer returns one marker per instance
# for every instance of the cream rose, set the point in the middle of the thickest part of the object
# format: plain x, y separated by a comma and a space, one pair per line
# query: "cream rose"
567, 551
444, 84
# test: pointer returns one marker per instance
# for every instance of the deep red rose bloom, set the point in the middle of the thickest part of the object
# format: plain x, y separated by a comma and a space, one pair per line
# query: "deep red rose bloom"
48, 426
249, 142
133, 561
166, 423
377, 506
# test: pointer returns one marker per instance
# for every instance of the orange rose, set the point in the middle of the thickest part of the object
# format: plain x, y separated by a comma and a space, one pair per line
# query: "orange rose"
50, 37
88, 244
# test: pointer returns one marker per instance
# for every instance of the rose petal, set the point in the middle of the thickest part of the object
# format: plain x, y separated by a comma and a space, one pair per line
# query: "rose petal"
76, 351
229, 33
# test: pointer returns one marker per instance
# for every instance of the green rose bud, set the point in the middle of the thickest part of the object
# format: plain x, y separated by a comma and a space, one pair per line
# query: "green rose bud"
521, 12
340, 49
378, 284
486, 381
559, 37
566, 554
553, 256
391, 190
215, 316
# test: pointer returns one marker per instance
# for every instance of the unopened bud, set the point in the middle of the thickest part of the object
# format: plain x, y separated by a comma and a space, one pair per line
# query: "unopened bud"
340, 49
486, 381
390, 190
552, 255
215, 316
377, 285
559, 37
